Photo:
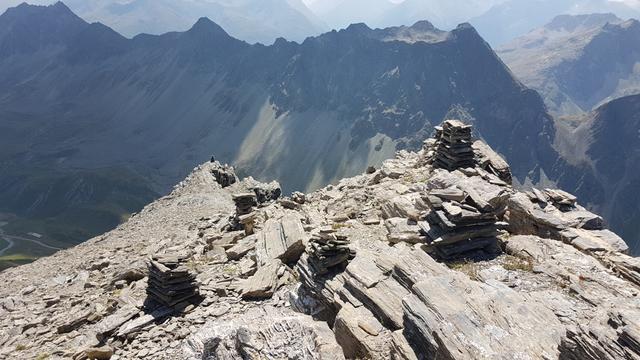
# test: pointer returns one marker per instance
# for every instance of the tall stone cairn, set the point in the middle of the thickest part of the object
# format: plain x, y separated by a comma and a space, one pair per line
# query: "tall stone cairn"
170, 281
453, 146
328, 250
459, 223
245, 202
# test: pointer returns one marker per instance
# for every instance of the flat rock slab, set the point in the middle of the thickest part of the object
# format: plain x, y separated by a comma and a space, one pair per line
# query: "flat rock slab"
453, 317
281, 239
263, 283
264, 333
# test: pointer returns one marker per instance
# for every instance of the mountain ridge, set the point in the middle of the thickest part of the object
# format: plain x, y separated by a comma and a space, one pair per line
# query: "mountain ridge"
300, 113
100, 298
605, 47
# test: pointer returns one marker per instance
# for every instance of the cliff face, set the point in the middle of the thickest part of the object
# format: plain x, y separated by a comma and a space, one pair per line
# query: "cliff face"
409, 261
602, 142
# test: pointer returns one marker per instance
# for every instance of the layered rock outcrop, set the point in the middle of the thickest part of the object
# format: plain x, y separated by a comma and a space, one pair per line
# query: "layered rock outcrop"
354, 270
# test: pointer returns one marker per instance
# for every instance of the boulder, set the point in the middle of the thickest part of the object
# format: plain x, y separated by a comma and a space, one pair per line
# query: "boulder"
596, 240
360, 334
406, 206
490, 161
94, 353
240, 249
264, 333
281, 239
403, 230
263, 283
267, 192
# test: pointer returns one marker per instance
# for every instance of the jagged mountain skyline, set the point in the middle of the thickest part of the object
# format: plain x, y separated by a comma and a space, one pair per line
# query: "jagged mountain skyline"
498, 21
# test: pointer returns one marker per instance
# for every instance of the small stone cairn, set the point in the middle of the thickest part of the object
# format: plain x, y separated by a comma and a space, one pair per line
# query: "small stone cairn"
170, 281
327, 250
245, 202
453, 146
459, 223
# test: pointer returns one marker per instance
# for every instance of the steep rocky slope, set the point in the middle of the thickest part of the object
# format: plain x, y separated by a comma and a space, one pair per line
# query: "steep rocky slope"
80, 97
550, 283
578, 62
254, 21
605, 143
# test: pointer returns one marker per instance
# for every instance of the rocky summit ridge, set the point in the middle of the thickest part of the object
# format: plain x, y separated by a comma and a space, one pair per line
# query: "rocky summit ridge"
415, 260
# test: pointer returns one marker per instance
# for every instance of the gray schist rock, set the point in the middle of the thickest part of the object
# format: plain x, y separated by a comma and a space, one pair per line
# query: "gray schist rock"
282, 239
555, 214
490, 161
223, 174
266, 333
360, 334
267, 279
599, 310
404, 230
244, 246
406, 206
453, 317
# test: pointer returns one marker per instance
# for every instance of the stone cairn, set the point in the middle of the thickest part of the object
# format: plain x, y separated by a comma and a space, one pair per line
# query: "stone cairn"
453, 146
245, 203
328, 250
459, 223
170, 281
244, 218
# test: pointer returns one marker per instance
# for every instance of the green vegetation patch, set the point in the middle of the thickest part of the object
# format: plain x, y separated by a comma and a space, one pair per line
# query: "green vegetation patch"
513, 263
467, 267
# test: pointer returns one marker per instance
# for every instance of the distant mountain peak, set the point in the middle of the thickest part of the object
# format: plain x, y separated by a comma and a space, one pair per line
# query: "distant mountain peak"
58, 9
423, 25
572, 22
358, 28
204, 25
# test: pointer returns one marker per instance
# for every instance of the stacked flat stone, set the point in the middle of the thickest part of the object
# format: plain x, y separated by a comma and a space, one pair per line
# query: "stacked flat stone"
328, 250
562, 200
245, 203
453, 146
458, 223
170, 281
224, 175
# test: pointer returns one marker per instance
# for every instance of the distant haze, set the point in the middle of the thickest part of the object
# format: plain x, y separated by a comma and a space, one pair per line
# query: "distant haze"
498, 21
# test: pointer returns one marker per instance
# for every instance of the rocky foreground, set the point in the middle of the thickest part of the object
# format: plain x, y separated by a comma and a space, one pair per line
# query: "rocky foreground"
409, 261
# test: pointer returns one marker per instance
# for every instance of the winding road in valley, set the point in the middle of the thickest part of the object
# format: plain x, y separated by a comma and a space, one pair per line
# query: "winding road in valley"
11, 239
9, 245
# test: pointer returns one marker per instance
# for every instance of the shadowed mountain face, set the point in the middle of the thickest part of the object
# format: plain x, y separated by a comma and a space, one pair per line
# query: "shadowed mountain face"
605, 143
250, 20
149, 109
588, 60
